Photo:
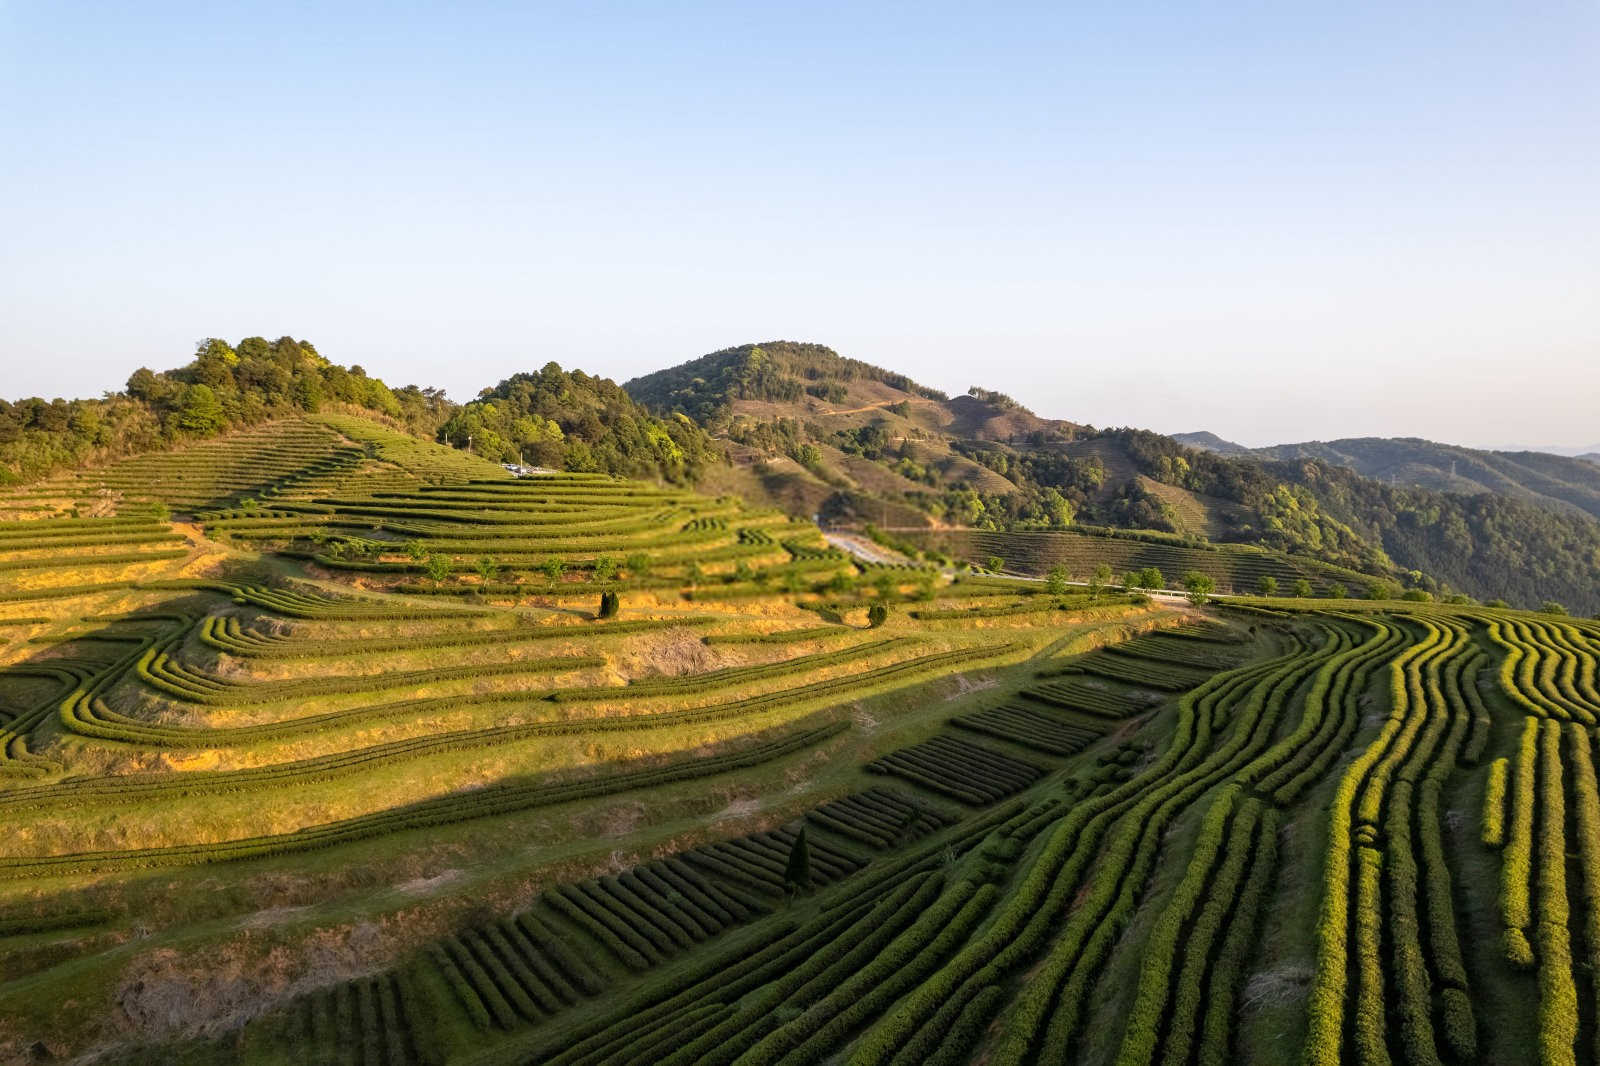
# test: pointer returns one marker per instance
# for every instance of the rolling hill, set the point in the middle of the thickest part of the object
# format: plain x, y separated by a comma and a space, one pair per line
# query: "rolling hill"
322, 743
819, 434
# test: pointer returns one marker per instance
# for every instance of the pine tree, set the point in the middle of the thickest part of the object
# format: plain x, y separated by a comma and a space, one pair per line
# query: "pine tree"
797, 874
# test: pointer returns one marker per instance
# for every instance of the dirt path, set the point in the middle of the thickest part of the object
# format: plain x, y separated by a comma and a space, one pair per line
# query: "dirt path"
877, 405
864, 549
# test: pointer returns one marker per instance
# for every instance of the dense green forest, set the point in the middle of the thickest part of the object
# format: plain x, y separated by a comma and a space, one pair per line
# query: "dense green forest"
223, 387
1483, 543
1555, 482
576, 421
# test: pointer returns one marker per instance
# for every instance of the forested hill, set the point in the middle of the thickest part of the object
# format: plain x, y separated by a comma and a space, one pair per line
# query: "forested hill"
799, 426
1484, 544
853, 442
224, 386
574, 421
1557, 483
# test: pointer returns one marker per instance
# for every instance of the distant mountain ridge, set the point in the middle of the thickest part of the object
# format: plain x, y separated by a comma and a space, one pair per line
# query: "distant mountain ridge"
1210, 442
1558, 483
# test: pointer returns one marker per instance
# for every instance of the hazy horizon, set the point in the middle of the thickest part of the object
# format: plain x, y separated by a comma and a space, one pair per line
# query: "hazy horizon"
1277, 225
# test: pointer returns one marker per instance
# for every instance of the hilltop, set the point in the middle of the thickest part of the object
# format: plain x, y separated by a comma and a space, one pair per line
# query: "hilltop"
1207, 441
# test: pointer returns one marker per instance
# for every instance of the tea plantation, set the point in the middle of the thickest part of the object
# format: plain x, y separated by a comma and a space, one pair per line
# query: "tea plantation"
320, 744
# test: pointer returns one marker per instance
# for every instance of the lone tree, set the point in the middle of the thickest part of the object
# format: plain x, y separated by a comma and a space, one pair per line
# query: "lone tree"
1302, 588
608, 605
1552, 607
437, 567
877, 614
1268, 585
486, 568
797, 873
1200, 586
1099, 580
1056, 583
553, 569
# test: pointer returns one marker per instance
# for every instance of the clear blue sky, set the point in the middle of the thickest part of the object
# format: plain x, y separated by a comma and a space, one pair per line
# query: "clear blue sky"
1276, 220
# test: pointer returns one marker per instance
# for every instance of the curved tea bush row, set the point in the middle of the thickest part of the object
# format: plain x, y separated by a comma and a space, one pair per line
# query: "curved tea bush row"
880, 818
1077, 693
1029, 728
1170, 1011
1179, 651
158, 669
291, 603
781, 636
107, 559
489, 801
77, 716
1494, 804
757, 862
1049, 1012
1035, 605
1142, 672
1332, 714
1026, 921
1586, 812
972, 773
60, 539
1516, 906
1207, 632
669, 1012
1558, 993
227, 634
65, 592
1376, 794
368, 1020
1528, 673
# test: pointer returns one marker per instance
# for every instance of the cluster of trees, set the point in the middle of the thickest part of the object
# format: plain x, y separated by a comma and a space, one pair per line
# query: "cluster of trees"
223, 387
1484, 544
578, 422
998, 400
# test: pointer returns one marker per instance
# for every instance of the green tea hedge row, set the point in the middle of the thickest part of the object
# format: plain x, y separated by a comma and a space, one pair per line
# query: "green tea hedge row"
970, 772
1028, 728
879, 818
1075, 694
503, 798
107, 559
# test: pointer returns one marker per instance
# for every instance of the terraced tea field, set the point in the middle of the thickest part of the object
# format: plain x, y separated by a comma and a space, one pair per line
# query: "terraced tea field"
1236, 568
361, 752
